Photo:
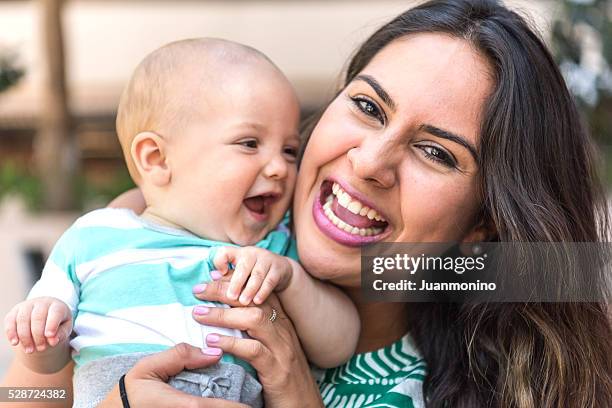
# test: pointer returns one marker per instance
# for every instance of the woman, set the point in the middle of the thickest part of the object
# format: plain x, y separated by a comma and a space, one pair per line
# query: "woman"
456, 126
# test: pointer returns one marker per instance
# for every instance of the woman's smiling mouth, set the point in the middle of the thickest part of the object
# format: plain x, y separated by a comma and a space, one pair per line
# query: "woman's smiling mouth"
345, 218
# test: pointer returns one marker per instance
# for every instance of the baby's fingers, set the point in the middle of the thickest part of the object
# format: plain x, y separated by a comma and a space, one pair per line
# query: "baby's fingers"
258, 275
37, 324
224, 257
24, 332
63, 333
268, 285
58, 314
10, 326
243, 269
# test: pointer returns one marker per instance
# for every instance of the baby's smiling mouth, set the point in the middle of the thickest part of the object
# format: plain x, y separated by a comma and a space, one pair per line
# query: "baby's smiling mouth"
349, 213
260, 204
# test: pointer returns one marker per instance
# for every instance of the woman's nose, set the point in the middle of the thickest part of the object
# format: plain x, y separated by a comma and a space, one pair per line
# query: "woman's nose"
375, 160
276, 168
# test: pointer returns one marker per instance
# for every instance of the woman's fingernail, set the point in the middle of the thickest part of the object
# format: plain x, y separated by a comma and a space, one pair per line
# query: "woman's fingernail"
215, 275
199, 288
212, 351
14, 342
29, 350
212, 338
201, 310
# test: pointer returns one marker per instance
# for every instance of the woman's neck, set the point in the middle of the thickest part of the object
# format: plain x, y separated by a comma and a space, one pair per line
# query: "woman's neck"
381, 323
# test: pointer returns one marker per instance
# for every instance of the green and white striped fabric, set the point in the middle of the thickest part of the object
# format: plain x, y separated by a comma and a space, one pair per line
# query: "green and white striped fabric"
129, 283
389, 377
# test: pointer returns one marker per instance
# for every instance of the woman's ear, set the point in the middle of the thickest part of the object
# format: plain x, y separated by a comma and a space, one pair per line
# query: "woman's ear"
484, 231
148, 152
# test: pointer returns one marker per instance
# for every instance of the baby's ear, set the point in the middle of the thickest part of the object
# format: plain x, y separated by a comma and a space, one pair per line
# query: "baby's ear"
148, 152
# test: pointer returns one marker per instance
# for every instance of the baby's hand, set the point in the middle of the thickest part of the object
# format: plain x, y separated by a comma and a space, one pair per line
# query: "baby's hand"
261, 270
37, 322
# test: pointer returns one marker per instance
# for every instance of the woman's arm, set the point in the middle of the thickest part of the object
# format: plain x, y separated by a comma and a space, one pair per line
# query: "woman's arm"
132, 199
18, 375
274, 349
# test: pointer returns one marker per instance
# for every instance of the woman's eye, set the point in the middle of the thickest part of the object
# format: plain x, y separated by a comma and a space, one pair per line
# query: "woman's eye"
369, 108
438, 155
251, 144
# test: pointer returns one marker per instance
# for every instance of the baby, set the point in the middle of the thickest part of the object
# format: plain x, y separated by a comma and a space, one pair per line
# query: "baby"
209, 131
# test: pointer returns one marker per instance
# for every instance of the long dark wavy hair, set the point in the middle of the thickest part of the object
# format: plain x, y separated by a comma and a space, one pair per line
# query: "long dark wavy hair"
539, 184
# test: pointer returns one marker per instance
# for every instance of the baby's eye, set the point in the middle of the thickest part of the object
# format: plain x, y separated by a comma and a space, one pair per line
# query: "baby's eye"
250, 143
291, 152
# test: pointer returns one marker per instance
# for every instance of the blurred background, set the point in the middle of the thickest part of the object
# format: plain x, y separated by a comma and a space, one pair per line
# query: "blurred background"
63, 65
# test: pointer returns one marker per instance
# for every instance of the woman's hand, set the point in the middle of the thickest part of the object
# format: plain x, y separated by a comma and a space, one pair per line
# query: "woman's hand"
146, 383
273, 349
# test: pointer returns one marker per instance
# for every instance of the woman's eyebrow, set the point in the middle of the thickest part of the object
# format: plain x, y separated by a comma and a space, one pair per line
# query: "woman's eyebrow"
445, 134
377, 87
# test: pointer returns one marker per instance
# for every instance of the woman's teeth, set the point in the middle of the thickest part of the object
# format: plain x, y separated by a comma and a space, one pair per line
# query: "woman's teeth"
354, 206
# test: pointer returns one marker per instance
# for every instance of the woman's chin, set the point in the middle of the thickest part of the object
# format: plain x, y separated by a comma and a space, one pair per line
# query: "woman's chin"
333, 263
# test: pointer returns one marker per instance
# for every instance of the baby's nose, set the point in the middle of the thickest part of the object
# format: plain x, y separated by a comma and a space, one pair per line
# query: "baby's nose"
276, 168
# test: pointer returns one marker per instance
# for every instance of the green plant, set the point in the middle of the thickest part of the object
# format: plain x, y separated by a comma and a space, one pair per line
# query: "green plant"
93, 194
21, 181
16, 180
582, 43
10, 73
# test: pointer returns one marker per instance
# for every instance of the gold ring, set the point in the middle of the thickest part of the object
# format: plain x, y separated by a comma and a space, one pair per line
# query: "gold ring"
274, 314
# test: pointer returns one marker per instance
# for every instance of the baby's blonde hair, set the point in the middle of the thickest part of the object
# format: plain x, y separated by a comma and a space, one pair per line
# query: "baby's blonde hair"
168, 82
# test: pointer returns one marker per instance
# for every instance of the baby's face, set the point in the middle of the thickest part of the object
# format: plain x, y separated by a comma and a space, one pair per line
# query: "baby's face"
234, 162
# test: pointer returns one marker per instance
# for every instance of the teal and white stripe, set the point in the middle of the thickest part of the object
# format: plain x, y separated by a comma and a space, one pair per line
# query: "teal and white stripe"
129, 283
390, 377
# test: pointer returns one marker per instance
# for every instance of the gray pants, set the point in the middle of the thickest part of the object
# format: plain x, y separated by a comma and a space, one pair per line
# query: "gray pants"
94, 380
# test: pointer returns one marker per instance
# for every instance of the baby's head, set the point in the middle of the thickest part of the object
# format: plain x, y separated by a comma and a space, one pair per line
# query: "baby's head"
209, 131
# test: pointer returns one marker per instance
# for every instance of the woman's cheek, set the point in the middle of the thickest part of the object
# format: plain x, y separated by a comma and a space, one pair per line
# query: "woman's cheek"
430, 204
333, 138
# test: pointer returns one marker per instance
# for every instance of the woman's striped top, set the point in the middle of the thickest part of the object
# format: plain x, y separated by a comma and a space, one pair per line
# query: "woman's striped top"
389, 377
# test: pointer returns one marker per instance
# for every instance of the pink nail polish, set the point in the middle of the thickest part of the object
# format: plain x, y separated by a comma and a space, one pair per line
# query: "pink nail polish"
201, 310
199, 288
29, 350
215, 275
212, 338
212, 351
14, 342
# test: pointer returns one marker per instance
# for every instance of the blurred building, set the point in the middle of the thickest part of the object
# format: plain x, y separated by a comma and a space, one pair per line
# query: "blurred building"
104, 41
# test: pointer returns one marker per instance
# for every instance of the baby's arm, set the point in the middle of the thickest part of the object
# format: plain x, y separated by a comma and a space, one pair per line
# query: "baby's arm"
42, 326
43, 323
325, 319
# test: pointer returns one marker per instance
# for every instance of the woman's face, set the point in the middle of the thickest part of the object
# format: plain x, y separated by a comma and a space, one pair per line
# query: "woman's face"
402, 140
